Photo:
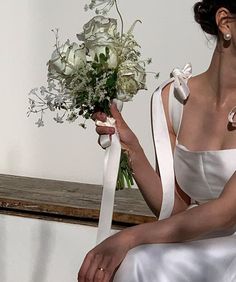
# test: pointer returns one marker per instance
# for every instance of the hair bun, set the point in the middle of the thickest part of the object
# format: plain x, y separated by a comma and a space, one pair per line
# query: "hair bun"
204, 14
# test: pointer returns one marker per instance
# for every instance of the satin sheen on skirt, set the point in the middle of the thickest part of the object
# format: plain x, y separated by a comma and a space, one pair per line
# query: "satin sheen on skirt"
208, 260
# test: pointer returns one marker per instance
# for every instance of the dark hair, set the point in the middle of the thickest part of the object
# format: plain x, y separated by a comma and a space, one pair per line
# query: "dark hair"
205, 11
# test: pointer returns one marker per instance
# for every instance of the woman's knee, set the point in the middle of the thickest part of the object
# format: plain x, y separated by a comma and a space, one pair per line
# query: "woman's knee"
132, 268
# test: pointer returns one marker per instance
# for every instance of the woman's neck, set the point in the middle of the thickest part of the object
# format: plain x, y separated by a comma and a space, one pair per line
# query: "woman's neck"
221, 75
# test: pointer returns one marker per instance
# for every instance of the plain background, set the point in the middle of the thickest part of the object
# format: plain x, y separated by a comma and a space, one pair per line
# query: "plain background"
168, 35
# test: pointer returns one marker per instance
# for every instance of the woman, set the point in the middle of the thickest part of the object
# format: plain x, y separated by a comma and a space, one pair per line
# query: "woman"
176, 249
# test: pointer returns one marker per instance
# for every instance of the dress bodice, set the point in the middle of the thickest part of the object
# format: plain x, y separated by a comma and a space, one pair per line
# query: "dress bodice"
203, 174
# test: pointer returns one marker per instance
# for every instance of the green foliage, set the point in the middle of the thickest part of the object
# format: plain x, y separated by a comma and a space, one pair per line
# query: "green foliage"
125, 174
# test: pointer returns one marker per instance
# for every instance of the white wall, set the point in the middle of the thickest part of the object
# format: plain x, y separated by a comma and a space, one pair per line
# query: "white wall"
168, 35
40, 251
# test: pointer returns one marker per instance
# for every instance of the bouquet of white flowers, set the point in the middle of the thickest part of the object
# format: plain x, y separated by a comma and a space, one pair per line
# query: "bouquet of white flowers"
85, 77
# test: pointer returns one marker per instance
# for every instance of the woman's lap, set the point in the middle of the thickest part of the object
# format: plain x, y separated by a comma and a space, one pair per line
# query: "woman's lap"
209, 260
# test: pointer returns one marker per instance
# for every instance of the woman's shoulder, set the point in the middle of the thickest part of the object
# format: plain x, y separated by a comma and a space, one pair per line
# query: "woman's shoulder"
198, 81
199, 88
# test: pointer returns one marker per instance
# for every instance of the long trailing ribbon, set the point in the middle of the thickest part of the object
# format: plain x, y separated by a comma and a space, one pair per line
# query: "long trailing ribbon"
112, 147
161, 137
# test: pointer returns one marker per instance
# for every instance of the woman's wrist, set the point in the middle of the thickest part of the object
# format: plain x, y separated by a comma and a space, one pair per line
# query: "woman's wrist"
148, 233
134, 236
129, 238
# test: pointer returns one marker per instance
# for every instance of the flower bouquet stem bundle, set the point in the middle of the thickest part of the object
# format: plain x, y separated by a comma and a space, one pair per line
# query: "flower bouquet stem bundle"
125, 173
86, 76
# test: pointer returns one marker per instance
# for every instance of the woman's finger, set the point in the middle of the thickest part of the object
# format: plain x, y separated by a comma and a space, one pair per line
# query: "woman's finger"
117, 115
114, 111
99, 116
103, 274
84, 267
101, 271
104, 130
94, 267
100, 275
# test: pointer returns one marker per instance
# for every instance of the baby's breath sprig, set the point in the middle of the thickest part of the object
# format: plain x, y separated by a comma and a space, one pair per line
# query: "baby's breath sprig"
101, 7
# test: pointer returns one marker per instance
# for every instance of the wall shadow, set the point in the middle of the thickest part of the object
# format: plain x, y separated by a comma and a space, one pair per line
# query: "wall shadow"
42, 260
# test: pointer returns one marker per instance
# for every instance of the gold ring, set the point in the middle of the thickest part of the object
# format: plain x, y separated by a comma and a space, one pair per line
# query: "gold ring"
100, 268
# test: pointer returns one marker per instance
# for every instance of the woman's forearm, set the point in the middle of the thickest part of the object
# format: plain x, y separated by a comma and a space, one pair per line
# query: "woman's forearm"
214, 216
189, 225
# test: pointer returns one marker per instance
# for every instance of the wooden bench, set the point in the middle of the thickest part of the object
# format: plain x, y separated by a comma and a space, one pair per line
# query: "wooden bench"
68, 201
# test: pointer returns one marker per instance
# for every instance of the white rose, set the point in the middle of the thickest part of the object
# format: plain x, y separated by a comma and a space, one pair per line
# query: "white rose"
131, 79
99, 33
67, 59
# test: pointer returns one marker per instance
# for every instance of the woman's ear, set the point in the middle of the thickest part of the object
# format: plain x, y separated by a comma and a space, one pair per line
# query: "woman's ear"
223, 21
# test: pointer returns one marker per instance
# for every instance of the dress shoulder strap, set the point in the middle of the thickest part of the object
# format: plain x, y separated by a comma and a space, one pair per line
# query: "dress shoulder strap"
163, 152
175, 109
161, 138
178, 94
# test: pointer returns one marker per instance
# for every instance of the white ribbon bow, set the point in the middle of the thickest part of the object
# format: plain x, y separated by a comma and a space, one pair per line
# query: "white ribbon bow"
105, 140
180, 78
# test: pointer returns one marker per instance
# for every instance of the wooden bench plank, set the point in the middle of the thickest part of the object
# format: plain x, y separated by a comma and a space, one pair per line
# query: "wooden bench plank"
68, 201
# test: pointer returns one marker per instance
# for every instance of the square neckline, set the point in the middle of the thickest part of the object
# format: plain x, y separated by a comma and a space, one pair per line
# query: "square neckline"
186, 149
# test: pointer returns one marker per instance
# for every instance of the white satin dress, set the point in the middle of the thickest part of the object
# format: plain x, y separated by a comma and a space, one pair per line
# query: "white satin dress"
202, 175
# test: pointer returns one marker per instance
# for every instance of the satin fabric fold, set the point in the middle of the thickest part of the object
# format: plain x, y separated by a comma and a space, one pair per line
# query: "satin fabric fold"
208, 260
112, 147
111, 167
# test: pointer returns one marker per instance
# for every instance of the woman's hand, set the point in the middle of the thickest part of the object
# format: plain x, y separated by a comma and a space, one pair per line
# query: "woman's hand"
102, 261
127, 138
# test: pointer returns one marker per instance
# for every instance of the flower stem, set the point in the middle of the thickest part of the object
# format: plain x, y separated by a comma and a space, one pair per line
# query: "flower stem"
121, 19
125, 176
